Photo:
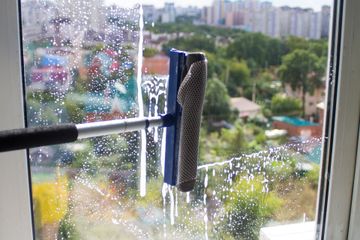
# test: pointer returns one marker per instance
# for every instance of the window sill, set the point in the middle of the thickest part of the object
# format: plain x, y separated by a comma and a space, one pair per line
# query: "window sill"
303, 231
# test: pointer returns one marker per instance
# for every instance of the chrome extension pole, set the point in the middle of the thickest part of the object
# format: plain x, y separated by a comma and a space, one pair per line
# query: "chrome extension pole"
16, 139
95, 129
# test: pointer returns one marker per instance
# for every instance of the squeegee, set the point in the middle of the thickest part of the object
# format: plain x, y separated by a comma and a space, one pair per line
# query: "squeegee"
186, 91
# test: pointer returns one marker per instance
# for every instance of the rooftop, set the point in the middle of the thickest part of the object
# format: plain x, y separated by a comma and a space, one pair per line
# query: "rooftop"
244, 106
294, 121
158, 64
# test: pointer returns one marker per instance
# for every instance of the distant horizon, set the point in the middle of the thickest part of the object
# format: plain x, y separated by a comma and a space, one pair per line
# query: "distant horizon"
316, 5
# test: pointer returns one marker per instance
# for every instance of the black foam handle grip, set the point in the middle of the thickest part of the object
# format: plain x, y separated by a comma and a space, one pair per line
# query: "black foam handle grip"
16, 139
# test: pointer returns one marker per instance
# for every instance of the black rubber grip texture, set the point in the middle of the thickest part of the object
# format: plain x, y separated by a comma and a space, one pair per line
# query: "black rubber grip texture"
36, 137
191, 98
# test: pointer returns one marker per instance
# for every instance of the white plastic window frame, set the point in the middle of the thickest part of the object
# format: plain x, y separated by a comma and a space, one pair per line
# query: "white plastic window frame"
338, 211
15, 200
335, 204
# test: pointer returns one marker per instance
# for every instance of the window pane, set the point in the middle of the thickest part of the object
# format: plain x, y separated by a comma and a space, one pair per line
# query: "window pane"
260, 142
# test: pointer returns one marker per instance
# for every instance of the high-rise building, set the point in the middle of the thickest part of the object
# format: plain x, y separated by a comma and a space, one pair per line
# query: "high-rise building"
115, 33
234, 19
169, 13
208, 15
189, 11
284, 20
149, 13
263, 17
36, 17
84, 15
273, 22
315, 25
219, 12
325, 21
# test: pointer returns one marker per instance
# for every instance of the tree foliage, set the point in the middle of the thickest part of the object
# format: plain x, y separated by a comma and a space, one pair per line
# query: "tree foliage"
261, 49
185, 27
217, 101
234, 140
236, 76
150, 52
193, 43
282, 105
266, 86
303, 70
249, 208
216, 65
319, 47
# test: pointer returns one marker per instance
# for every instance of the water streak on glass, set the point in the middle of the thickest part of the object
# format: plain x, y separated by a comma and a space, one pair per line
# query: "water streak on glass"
141, 107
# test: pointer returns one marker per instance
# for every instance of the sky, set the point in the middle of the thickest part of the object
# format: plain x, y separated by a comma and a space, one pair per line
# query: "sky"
315, 4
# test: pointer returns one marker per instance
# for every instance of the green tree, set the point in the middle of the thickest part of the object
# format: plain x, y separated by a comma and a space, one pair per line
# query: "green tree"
294, 43
276, 49
262, 88
236, 76
303, 70
187, 27
257, 47
282, 105
233, 140
193, 43
222, 144
249, 46
217, 101
150, 52
319, 47
216, 65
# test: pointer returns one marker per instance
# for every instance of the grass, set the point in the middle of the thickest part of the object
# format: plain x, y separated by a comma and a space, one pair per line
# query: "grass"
299, 201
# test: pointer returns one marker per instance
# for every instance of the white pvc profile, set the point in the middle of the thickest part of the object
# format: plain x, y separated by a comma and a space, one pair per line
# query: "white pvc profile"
343, 146
354, 232
15, 207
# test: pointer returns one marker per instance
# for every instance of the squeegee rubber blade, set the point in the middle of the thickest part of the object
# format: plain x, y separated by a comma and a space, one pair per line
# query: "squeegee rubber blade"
177, 65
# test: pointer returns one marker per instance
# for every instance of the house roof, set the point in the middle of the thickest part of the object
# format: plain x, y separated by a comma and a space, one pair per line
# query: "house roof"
298, 122
49, 60
159, 65
244, 106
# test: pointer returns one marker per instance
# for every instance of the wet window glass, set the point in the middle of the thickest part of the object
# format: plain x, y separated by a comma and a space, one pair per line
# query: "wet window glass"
260, 141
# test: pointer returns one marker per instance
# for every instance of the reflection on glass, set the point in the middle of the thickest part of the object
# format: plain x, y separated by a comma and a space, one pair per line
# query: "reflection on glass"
260, 141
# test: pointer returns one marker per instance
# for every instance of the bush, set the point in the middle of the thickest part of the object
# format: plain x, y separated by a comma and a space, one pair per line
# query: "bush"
282, 105
150, 52
312, 176
248, 208
50, 201
281, 169
67, 230
75, 111
233, 140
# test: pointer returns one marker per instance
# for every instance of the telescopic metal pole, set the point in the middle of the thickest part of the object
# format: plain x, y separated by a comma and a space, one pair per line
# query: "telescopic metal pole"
87, 130
16, 139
